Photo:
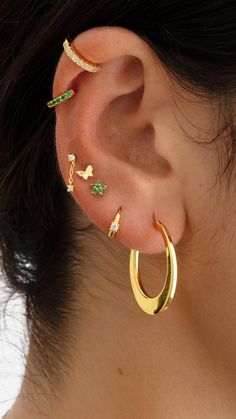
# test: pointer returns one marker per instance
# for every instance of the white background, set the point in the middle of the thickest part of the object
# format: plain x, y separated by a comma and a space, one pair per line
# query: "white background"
13, 347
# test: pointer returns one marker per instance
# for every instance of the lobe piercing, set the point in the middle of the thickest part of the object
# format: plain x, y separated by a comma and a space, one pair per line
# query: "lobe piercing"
57, 100
114, 227
71, 159
79, 59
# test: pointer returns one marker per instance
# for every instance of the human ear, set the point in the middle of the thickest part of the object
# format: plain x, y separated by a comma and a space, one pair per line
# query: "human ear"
112, 122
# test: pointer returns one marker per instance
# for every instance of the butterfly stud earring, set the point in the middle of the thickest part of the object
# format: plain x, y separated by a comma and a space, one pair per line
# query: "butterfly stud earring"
85, 174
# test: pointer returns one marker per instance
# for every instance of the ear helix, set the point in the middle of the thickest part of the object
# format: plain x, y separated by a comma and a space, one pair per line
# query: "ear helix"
82, 62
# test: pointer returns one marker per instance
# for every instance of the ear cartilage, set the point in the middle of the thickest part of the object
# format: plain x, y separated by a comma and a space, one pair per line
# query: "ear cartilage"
98, 188
88, 172
71, 160
79, 59
114, 227
64, 96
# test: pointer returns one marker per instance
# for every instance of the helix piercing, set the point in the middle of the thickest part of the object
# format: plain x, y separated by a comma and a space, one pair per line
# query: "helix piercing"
114, 227
71, 159
79, 59
57, 100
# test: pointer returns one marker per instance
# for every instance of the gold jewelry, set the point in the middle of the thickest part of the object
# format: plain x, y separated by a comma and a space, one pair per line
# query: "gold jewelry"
114, 227
64, 96
88, 172
79, 59
159, 303
71, 159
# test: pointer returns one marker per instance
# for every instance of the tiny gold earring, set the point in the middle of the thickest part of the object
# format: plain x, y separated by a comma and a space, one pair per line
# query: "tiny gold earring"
59, 99
85, 174
114, 227
79, 59
71, 159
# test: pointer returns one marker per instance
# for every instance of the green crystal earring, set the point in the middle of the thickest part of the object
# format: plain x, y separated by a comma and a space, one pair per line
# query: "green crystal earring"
59, 99
98, 188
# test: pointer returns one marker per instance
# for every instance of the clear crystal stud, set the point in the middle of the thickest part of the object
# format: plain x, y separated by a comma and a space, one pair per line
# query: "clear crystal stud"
71, 157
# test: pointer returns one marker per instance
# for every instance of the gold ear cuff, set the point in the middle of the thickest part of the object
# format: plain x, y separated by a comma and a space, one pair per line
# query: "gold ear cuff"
78, 58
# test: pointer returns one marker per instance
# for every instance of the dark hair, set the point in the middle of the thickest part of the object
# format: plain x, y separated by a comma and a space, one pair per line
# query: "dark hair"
196, 42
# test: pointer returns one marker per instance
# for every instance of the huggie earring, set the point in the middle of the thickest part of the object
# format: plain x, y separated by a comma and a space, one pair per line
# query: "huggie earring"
71, 159
114, 227
79, 59
155, 305
64, 96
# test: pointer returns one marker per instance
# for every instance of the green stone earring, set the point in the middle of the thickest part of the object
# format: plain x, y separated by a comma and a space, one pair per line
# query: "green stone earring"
98, 188
57, 100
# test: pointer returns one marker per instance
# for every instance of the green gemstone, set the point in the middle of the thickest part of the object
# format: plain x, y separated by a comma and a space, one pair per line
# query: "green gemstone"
98, 188
68, 94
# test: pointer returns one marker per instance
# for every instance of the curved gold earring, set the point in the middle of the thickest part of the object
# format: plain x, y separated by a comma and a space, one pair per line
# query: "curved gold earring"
78, 58
159, 303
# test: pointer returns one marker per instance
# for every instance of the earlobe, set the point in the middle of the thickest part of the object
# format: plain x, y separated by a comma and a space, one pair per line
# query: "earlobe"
110, 126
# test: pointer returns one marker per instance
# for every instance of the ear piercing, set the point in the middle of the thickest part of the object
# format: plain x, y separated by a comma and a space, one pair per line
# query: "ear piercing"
98, 188
114, 227
71, 159
86, 173
79, 59
64, 96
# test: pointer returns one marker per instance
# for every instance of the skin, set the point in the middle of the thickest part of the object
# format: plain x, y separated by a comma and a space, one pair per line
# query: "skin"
137, 126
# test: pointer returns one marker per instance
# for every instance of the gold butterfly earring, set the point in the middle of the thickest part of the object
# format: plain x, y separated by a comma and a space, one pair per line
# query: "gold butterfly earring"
85, 174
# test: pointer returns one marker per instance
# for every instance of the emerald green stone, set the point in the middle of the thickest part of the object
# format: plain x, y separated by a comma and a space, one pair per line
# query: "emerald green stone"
98, 188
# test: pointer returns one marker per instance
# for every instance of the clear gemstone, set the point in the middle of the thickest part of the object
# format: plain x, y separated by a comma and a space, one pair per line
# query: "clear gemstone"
71, 157
114, 226
70, 188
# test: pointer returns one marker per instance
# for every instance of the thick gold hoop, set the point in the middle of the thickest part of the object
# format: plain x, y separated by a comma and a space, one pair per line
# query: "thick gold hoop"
155, 305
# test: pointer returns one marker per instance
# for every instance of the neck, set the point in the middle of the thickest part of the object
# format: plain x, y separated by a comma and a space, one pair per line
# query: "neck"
125, 363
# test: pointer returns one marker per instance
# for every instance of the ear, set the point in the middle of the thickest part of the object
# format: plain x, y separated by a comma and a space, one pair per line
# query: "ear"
118, 121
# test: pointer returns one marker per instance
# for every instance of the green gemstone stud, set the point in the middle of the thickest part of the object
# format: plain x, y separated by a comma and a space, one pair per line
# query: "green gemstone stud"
57, 100
98, 188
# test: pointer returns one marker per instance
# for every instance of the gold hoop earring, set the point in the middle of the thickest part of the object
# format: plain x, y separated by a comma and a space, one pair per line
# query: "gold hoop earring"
57, 100
159, 303
79, 59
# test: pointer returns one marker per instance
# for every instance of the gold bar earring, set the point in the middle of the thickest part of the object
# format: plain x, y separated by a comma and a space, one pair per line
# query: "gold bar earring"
79, 59
114, 227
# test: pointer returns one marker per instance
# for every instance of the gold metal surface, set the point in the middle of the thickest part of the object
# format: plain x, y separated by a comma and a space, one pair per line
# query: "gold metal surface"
159, 303
78, 59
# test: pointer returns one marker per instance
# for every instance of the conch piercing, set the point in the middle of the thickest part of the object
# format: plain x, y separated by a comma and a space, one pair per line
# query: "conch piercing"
57, 100
114, 227
159, 303
71, 159
79, 59
86, 173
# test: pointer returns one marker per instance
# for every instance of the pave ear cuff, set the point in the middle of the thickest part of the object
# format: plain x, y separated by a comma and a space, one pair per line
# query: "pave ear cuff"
79, 59
59, 99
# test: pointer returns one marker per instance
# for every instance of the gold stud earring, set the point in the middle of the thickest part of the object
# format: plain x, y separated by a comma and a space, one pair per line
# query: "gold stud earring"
71, 159
114, 227
59, 99
159, 303
85, 174
79, 59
